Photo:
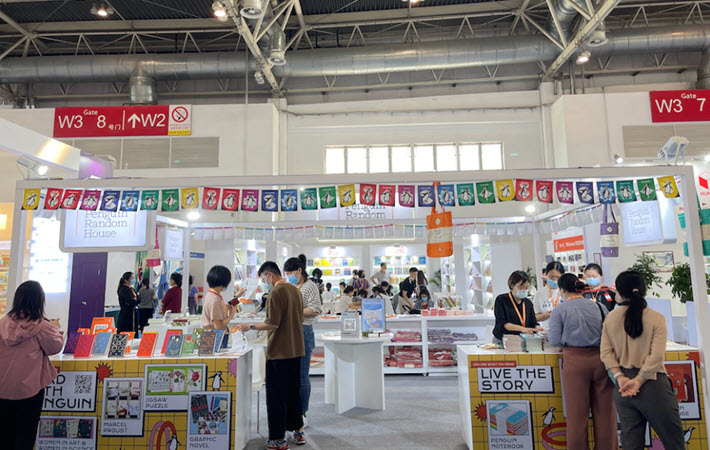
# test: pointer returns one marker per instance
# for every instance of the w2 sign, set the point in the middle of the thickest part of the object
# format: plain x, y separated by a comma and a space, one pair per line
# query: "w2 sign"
110, 121
680, 106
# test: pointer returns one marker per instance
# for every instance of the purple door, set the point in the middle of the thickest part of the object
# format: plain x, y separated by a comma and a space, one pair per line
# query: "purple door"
88, 284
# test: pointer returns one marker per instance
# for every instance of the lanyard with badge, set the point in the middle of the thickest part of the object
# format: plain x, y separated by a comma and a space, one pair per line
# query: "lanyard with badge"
517, 311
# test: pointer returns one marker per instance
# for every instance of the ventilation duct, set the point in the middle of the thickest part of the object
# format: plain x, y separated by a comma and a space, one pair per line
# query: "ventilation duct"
277, 47
565, 13
347, 61
704, 71
251, 9
143, 88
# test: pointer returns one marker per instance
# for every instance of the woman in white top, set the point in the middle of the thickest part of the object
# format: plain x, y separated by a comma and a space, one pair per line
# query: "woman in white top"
547, 298
295, 271
346, 298
378, 292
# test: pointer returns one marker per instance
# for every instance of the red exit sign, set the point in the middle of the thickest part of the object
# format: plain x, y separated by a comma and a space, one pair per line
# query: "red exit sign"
680, 106
110, 121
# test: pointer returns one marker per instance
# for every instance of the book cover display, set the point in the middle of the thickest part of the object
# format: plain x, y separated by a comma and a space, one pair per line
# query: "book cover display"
84, 346
174, 346
207, 342
147, 345
373, 315
118, 346
101, 343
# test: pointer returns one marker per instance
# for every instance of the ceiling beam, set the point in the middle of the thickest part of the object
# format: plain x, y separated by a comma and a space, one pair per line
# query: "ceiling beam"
581, 37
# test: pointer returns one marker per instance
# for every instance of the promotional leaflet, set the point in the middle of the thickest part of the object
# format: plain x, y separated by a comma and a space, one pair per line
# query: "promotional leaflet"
167, 386
208, 423
373, 315
71, 391
66, 433
350, 321
122, 412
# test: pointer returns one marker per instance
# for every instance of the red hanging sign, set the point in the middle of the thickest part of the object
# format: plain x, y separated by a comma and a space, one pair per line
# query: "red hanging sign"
71, 198
523, 190
53, 199
386, 194
368, 192
109, 121
210, 198
230, 199
679, 106
544, 191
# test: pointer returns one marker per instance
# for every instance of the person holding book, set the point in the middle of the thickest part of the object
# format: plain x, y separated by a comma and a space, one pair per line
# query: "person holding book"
576, 325
127, 301
514, 312
216, 314
284, 349
172, 301
27, 338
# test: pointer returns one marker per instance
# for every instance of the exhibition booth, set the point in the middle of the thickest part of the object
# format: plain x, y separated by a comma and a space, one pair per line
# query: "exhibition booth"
86, 233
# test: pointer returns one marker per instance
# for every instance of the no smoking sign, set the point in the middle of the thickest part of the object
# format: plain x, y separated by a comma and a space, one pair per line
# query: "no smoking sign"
180, 120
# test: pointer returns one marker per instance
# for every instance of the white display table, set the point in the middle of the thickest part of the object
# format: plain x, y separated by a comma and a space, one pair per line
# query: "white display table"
354, 374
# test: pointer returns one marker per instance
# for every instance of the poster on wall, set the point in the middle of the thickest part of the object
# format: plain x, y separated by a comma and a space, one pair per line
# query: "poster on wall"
208, 424
66, 433
510, 424
685, 386
71, 391
167, 386
522, 379
122, 412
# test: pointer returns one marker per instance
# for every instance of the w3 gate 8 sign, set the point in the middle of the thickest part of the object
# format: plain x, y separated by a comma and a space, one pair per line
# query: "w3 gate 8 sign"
110, 121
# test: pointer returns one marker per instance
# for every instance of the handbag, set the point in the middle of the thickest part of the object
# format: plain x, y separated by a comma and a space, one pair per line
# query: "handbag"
609, 234
439, 227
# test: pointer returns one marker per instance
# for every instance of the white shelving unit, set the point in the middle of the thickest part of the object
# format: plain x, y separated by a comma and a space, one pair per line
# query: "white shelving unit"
246, 263
334, 269
398, 267
478, 276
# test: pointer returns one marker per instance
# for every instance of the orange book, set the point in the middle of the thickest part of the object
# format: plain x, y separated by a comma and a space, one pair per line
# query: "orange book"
84, 330
167, 339
101, 324
84, 346
131, 335
147, 345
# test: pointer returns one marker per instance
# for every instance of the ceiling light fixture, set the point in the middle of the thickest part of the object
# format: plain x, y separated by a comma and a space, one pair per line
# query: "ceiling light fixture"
707, 157
584, 57
259, 78
33, 167
618, 159
193, 215
101, 10
251, 9
219, 11
530, 209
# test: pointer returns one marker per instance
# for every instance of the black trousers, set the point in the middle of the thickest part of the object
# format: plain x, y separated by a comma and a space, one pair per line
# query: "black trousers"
145, 314
19, 420
283, 401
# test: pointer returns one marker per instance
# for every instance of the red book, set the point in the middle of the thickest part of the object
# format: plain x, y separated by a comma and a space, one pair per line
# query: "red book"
167, 339
131, 335
83, 347
147, 344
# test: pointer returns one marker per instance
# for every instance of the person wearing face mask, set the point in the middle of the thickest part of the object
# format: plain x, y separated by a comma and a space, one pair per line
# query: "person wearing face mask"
127, 300
406, 289
576, 325
547, 298
172, 301
514, 313
284, 349
597, 291
295, 271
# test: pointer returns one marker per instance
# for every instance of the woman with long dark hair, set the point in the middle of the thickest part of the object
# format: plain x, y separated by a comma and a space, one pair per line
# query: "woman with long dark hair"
295, 272
27, 338
576, 325
633, 349
127, 300
548, 297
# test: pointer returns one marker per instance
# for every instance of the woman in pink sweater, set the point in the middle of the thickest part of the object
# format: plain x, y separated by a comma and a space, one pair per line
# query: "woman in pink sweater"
26, 339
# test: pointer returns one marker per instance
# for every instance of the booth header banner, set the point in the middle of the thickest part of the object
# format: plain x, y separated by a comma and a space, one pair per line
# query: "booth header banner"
679, 106
116, 121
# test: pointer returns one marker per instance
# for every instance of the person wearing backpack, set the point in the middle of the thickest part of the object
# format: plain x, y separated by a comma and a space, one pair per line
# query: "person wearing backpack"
576, 325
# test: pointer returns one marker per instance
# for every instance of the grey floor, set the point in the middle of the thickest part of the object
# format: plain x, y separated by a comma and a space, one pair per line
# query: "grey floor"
422, 413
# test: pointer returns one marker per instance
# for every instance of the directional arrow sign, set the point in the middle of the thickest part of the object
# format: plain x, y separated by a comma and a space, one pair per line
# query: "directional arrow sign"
108, 121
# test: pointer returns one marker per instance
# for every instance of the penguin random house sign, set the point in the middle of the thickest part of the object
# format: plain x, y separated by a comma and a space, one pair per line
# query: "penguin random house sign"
523, 379
97, 231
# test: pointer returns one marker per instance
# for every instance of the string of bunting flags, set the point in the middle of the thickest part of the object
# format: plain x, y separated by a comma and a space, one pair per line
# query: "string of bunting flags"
314, 198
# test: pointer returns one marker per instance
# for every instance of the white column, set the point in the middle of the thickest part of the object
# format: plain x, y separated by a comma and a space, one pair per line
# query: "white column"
17, 253
185, 266
460, 272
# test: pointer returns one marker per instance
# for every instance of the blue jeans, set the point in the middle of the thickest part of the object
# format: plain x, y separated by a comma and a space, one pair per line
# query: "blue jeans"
305, 390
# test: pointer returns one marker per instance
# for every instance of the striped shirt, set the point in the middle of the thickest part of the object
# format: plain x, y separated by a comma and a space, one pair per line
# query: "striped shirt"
311, 299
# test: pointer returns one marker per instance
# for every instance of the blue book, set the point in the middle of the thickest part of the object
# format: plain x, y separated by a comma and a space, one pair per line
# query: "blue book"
218, 340
174, 346
101, 343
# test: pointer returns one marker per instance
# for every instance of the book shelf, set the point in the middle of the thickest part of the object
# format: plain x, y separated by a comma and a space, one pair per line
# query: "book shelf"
247, 263
448, 275
478, 276
398, 267
334, 269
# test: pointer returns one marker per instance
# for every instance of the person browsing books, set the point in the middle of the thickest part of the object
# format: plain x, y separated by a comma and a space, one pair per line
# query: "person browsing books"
27, 338
172, 300
514, 313
576, 325
146, 307
216, 314
547, 298
284, 349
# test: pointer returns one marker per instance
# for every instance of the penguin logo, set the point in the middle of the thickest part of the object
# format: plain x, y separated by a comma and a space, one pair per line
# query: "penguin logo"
406, 198
53, 199
110, 202
465, 196
348, 196
446, 197
69, 201
216, 381
211, 199
426, 197
150, 201
174, 443
170, 201
131, 203
605, 193
505, 191
367, 196
625, 192
289, 202
565, 194
386, 197
668, 188
485, 194
31, 200
688, 434
548, 417
269, 203
229, 201
544, 193
327, 198
190, 199
647, 191
524, 190
308, 200
584, 193
250, 202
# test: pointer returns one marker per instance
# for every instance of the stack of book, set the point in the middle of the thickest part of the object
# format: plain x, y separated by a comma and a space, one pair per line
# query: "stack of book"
513, 343
533, 343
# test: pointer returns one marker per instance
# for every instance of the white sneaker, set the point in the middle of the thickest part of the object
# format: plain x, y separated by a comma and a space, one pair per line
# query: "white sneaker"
305, 422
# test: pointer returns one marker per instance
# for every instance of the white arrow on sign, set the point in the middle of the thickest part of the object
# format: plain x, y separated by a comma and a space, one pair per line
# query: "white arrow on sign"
133, 119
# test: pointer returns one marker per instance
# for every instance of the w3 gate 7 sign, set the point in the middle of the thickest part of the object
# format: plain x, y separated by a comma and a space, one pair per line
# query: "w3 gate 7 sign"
680, 106
112, 121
